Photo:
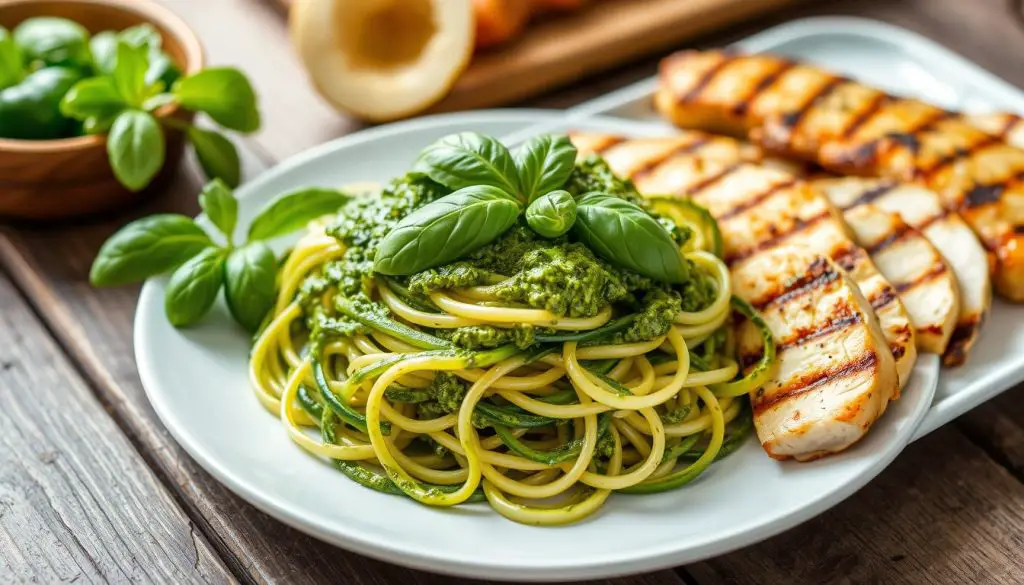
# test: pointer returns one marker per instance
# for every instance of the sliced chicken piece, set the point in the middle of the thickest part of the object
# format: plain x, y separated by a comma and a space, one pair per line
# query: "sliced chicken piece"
922, 209
758, 208
917, 271
1007, 127
834, 374
799, 110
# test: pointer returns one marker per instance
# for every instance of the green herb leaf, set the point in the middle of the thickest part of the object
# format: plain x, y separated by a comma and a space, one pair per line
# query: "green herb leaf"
103, 46
135, 148
194, 287
12, 69
446, 229
130, 72
97, 125
217, 155
31, 109
222, 93
96, 97
141, 35
544, 163
467, 159
48, 40
552, 215
291, 211
220, 205
250, 276
624, 233
147, 247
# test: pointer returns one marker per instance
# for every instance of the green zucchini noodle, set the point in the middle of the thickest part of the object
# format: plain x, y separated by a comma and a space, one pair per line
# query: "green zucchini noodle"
543, 432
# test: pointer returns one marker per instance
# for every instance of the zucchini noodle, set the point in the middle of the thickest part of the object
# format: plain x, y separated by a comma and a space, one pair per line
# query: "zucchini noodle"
545, 430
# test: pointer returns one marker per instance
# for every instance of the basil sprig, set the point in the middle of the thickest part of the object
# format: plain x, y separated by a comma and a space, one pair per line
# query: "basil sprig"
201, 267
134, 80
544, 164
552, 215
447, 229
626, 234
469, 159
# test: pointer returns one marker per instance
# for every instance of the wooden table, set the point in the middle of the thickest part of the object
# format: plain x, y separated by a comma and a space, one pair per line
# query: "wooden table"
93, 488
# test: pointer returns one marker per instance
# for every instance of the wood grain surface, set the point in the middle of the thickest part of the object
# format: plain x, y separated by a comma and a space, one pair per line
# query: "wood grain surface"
951, 509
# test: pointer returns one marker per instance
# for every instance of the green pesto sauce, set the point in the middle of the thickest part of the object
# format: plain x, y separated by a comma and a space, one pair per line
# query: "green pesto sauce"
522, 269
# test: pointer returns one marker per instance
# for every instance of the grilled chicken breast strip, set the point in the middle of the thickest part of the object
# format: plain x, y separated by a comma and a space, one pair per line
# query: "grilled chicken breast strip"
830, 385
760, 210
800, 110
903, 255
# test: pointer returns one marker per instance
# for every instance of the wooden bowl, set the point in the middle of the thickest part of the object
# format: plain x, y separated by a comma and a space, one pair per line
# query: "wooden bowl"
70, 177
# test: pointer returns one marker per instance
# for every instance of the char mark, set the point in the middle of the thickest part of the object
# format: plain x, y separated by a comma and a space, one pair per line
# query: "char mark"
894, 236
883, 297
742, 106
840, 320
708, 181
777, 238
937, 269
756, 200
871, 194
960, 342
866, 114
813, 380
654, 162
709, 75
792, 119
958, 154
849, 257
817, 275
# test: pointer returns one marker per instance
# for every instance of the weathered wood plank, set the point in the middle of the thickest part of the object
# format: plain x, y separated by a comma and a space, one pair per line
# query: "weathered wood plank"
76, 500
942, 513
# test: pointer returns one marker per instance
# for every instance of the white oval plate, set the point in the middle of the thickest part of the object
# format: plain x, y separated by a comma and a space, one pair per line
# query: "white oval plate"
196, 380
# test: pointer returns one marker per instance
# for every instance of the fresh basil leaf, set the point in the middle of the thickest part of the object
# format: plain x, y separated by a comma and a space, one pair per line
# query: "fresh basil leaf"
48, 40
194, 287
12, 69
624, 233
103, 47
135, 147
162, 69
250, 276
544, 163
291, 211
467, 159
147, 247
217, 155
130, 72
446, 229
96, 97
97, 125
141, 35
224, 94
552, 215
220, 205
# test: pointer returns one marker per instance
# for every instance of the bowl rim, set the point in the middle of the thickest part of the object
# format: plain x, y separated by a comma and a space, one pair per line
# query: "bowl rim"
148, 10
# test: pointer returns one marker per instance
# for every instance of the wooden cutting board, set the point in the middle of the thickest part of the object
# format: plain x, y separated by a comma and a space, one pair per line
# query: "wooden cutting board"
556, 50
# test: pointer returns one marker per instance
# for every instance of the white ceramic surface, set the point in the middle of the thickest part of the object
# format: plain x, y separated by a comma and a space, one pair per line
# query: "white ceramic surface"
196, 380
905, 63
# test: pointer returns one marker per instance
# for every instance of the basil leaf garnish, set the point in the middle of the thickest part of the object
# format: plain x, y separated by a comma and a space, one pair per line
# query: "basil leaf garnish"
193, 287
624, 233
544, 163
135, 147
293, 210
446, 229
468, 159
552, 215
220, 205
217, 155
224, 94
250, 278
147, 247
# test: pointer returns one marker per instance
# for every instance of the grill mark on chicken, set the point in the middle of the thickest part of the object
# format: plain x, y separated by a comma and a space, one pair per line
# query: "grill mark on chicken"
740, 108
883, 297
791, 120
654, 162
866, 114
937, 269
705, 79
941, 215
871, 195
817, 275
708, 181
891, 238
842, 318
849, 256
754, 200
814, 379
777, 238
958, 154
960, 341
